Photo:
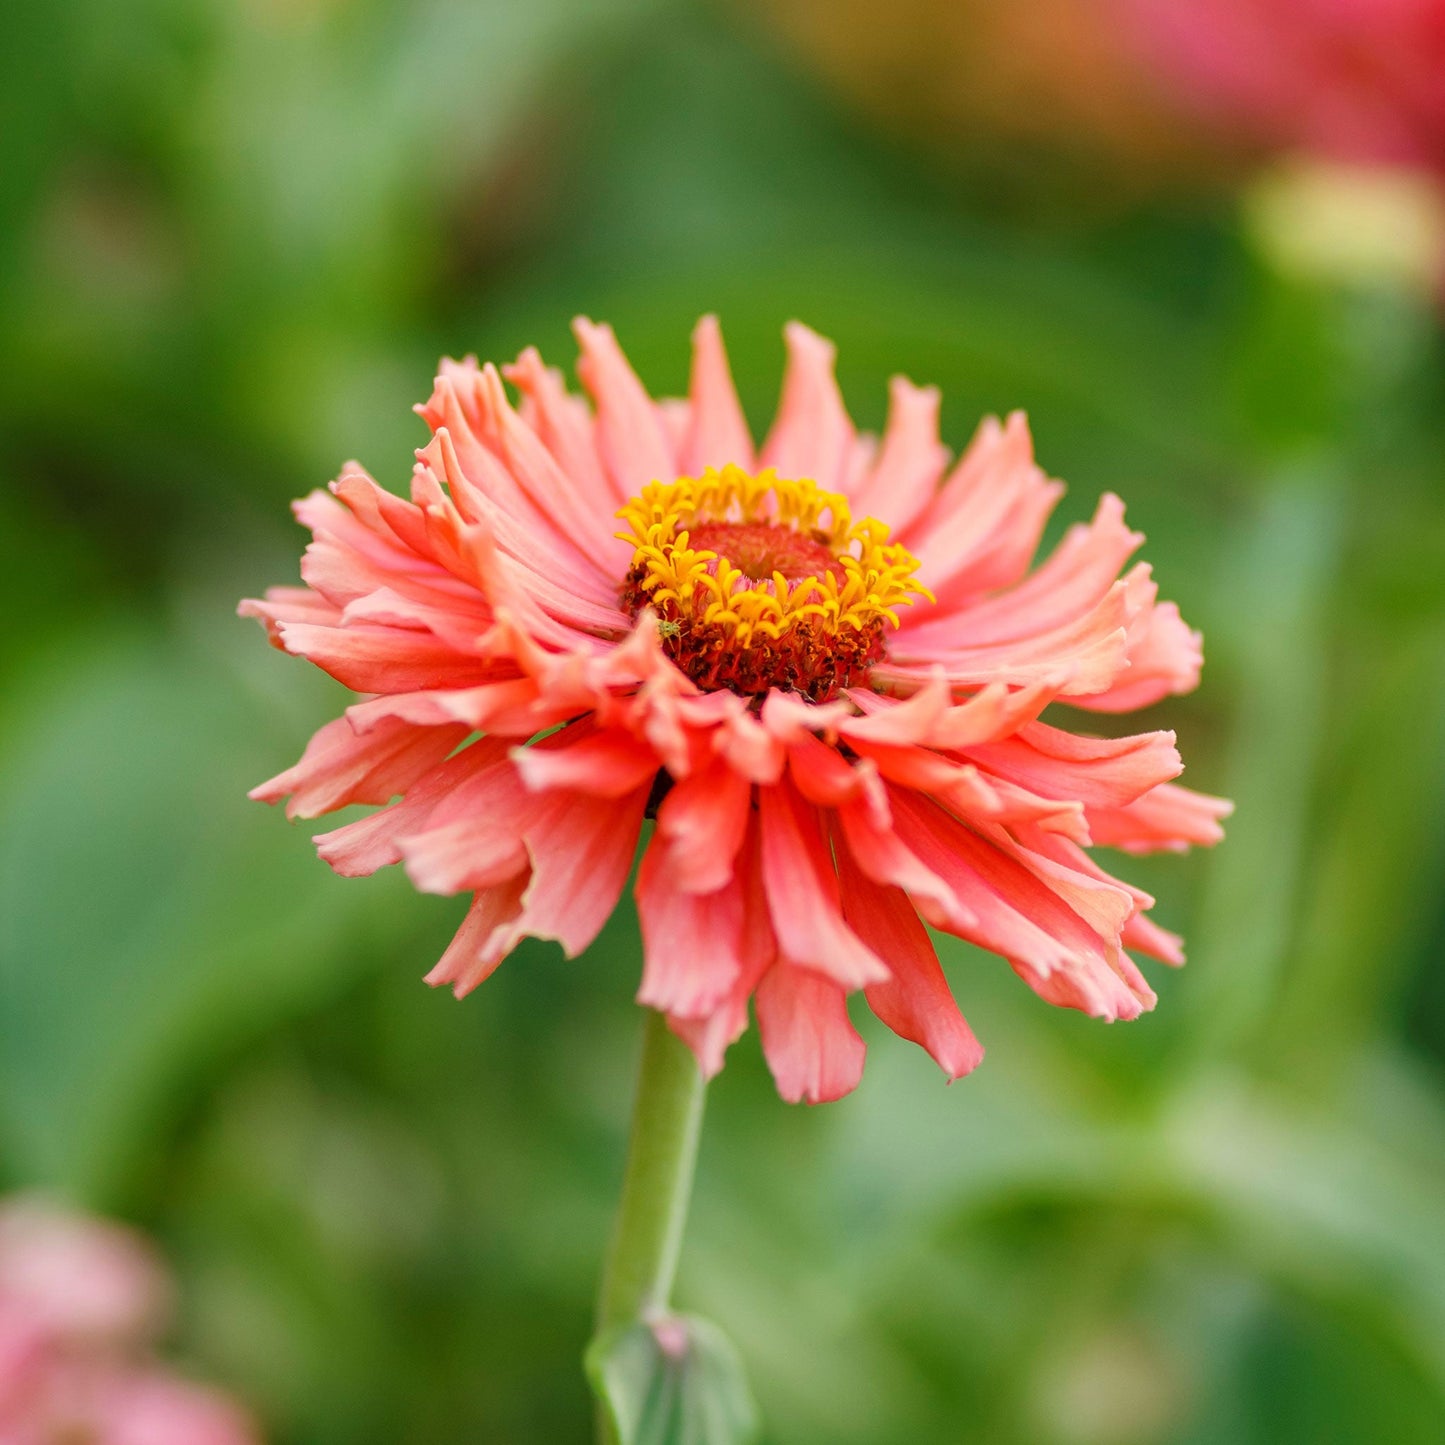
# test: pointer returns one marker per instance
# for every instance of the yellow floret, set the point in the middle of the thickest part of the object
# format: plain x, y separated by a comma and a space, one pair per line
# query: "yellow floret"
877, 576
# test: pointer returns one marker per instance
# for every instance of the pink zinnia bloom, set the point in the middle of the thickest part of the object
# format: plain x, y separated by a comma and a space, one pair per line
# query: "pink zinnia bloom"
79, 1278
109, 1402
1349, 80
819, 665
80, 1301
145, 1406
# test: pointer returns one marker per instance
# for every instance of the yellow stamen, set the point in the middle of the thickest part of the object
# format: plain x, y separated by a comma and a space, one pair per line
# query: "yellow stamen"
782, 559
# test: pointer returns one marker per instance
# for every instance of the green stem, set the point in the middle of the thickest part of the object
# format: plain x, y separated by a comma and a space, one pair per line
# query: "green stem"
666, 1122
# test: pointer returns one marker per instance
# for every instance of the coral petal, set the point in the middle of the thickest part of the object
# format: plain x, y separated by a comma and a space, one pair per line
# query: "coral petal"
341, 766
717, 430
915, 1003
810, 1044
691, 942
701, 825
603, 765
631, 438
479, 945
802, 892
905, 476
813, 434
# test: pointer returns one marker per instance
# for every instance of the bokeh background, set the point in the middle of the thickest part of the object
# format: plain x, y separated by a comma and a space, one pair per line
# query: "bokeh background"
235, 235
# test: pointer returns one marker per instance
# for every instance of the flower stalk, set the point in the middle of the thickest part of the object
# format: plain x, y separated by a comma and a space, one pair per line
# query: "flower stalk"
661, 1154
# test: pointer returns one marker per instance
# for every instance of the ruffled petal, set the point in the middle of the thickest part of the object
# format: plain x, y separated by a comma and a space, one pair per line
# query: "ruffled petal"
930, 718
482, 942
691, 943
883, 856
382, 659
1145, 936
1167, 818
717, 431
289, 604
916, 1002
373, 842
473, 836
982, 529
608, 764
824, 776
1084, 655
512, 707
710, 1036
1075, 577
579, 515
505, 463
802, 893
341, 766
1097, 772
812, 435
701, 825
564, 424
1020, 917
630, 436
581, 850
902, 481
581, 596
811, 1046
969, 791
1165, 656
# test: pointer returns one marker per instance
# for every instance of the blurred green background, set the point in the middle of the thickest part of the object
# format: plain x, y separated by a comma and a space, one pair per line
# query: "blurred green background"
234, 238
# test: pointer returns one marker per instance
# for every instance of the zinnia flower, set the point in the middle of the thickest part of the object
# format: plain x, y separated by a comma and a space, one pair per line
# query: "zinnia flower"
80, 1278
819, 666
1350, 80
80, 1303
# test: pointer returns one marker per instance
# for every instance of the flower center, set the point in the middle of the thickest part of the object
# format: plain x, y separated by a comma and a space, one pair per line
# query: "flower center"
759, 582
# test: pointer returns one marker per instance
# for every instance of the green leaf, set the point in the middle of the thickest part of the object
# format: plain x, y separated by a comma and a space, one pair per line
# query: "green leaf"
676, 1381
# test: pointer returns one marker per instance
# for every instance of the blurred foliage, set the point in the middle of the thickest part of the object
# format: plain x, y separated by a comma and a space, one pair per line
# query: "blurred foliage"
235, 238
1042, 99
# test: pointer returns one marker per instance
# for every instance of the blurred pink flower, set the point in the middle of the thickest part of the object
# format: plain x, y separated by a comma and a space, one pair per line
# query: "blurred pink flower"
1349, 80
24, 1347
78, 1277
80, 1302
155, 1408
820, 665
